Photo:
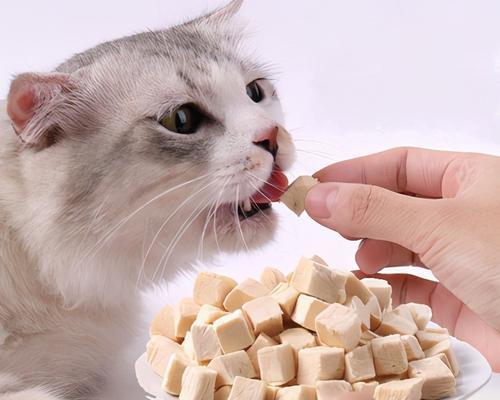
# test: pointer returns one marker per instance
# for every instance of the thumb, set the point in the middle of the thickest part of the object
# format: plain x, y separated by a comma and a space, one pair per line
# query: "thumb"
367, 211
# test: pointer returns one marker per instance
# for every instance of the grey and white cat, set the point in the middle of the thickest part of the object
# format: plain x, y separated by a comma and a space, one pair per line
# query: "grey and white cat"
116, 171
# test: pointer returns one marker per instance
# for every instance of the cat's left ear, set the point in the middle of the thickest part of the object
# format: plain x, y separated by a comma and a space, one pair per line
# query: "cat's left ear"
224, 13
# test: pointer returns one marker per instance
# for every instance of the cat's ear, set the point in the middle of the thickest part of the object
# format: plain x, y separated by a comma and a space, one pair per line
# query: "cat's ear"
34, 103
224, 13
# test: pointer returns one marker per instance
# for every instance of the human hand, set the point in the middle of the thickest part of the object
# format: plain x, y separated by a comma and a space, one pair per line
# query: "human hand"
433, 209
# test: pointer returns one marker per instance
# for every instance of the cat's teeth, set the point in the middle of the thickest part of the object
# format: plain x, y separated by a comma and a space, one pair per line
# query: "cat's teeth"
247, 206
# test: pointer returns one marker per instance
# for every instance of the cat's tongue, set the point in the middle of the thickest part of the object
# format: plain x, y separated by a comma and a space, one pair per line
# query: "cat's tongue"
273, 189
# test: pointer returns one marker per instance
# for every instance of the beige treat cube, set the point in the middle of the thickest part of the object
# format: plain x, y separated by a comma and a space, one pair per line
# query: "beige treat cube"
185, 313
407, 389
439, 381
205, 342
276, 364
286, 296
429, 339
188, 346
198, 383
393, 323
271, 277
306, 310
172, 380
295, 196
211, 288
359, 365
421, 313
298, 338
412, 348
382, 290
355, 287
329, 390
319, 281
445, 347
247, 290
367, 337
367, 388
163, 324
265, 315
208, 314
223, 393
338, 326
361, 310
297, 392
159, 350
248, 389
262, 341
389, 355
233, 332
229, 366
320, 363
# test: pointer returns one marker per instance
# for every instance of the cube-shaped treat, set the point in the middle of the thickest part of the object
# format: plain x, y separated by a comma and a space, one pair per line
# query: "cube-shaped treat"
229, 366
205, 342
198, 383
185, 313
355, 287
361, 310
248, 389
319, 281
298, 338
393, 323
306, 310
188, 347
286, 296
367, 337
389, 355
437, 329
329, 390
271, 277
211, 288
338, 326
439, 381
223, 393
429, 339
359, 365
277, 364
265, 315
262, 341
421, 313
445, 347
163, 324
407, 389
320, 364
367, 388
234, 332
382, 290
412, 348
159, 350
208, 314
172, 380
247, 290
297, 392
375, 313
295, 196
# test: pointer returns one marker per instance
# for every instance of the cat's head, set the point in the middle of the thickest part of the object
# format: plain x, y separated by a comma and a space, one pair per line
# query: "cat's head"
148, 150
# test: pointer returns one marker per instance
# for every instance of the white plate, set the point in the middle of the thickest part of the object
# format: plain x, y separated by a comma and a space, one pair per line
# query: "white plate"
474, 373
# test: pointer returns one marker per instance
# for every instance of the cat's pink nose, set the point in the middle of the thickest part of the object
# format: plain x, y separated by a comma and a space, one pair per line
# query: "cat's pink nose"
268, 140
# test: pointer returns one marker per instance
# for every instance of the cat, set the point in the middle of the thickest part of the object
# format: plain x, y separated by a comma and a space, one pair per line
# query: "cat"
117, 170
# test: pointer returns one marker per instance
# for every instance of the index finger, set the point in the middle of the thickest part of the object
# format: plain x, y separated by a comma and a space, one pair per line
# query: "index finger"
402, 170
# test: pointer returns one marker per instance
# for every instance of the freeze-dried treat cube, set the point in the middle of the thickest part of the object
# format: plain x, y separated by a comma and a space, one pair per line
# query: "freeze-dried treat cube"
248, 389
407, 389
159, 350
421, 313
265, 315
319, 281
188, 346
320, 363
205, 342
185, 313
446, 348
381, 289
367, 388
429, 339
211, 288
277, 364
361, 310
297, 392
355, 287
198, 383
373, 308
271, 277
412, 348
329, 390
208, 314
262, 341
394, 323
359, 365
338, 326
163, 324
295, 196
172, 380
247, 290
234, 332
437, 329
298, 338
367, 337
439, 381
389, 355
222, 393
229, 366
306, 310
286, 296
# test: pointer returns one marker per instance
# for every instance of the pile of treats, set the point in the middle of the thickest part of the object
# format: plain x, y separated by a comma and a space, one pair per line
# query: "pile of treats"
314, 335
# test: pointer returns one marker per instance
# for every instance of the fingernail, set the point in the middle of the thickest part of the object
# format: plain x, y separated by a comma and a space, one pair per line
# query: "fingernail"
320, 200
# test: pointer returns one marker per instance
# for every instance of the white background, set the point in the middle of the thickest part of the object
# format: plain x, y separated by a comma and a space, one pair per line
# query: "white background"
355, 77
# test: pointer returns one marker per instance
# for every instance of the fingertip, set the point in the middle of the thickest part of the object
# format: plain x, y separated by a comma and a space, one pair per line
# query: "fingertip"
372, 256
319, 199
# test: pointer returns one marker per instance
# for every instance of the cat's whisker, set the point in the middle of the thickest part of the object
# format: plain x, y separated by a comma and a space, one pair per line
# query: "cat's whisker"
262, 180
236, 204
317, 154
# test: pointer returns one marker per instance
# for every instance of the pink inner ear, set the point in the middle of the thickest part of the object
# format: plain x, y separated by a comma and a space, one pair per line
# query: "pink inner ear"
21, 106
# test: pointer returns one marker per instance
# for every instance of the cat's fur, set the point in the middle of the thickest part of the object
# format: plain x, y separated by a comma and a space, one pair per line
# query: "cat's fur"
95, 182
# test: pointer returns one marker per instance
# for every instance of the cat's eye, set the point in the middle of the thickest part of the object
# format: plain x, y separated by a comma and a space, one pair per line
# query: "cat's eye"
254, 91
184, 119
